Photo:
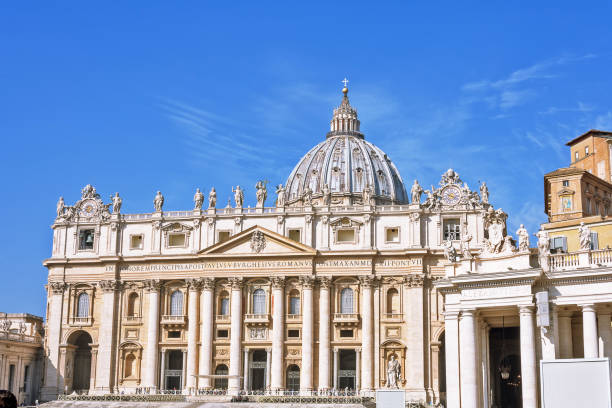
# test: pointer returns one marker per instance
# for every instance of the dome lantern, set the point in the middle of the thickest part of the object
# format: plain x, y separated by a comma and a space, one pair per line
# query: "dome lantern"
344, 121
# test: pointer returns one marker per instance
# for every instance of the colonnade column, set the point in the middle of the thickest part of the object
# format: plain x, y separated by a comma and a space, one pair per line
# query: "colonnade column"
467, 358
367, 332
106, 337
324, 339
194, 286
162, 371
528, 357
589, 331
336, 368
357, 369
278, 327
268, 365
235, 336
605, 334
150, 374
307, 333
51, 386
206, 332
246, 370
566, 345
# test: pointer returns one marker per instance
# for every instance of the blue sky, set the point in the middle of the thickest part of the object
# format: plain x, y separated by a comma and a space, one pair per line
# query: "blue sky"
139, 96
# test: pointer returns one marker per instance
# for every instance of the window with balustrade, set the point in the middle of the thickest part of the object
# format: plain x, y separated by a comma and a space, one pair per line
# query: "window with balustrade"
259, 302
346, 300
224, 304
176, 303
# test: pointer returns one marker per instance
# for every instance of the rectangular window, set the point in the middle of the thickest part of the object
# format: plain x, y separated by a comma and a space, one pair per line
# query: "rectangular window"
26, 374
594, 240
136, 241
586, 150
346, 235
587, 206
601, 169
565, 183
176, 240
576, 156
223, 236
452, 231
295, 234
224, 306
175, 334
86, 239
558, 245
392, 234
293, 333
346, 333
294, 305
223, 333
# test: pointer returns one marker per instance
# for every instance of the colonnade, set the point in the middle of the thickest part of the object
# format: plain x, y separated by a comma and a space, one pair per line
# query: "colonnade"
464, 364
201, 321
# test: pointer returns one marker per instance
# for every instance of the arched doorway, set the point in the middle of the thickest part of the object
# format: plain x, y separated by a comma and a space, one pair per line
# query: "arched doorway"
293, 378
81, 368
221, 380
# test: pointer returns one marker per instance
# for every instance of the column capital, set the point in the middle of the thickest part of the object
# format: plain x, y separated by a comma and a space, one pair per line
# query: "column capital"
208, 283
413, 280
324, 282
471, 312
307, 282
587, 307
236, 283
109, 286
526, 309
193, 284
57, 288
367, 281
152, 285
451, 314
278, 282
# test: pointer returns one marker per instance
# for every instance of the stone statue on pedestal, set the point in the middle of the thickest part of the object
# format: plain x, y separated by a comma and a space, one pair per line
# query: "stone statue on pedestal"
158, 202
416, 192
60, 207
584, 234
307, 197
543, 248
326, 195
523, 237
280, 196
117, 201
367, 196
449, 251
262, 193
212, 198
484, 193
198, 199
238, 196
393, 373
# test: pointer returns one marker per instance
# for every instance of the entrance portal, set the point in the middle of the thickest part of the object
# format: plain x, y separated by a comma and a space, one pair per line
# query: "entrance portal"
174, 370
505, 372
346, 372
293, 378
82, 360
258, 370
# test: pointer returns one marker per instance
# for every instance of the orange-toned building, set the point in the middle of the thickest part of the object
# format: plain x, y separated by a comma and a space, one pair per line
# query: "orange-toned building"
581, 193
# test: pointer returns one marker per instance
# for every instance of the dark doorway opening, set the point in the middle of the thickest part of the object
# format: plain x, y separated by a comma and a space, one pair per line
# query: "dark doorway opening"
174, 370
293, 378
505, 351
258, 370
82, 360
347, 369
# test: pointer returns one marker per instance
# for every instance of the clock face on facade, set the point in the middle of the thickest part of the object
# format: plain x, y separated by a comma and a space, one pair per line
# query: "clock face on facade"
88, 208
451, 195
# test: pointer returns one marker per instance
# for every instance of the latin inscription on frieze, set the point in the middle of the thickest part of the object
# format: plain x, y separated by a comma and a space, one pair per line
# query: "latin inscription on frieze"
495, 292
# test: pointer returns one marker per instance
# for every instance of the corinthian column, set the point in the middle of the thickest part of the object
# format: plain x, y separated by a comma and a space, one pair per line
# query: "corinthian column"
236, 335
367, 331
106, 339
206, 332
307, 334
52, 384
278, 285
194, 286
149, 378
324, 345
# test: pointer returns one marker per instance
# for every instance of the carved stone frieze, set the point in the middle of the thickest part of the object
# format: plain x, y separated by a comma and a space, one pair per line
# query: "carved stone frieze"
258, 241
280, 219
258, 333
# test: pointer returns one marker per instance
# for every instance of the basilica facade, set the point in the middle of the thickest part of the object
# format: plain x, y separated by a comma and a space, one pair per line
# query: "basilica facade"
327, 288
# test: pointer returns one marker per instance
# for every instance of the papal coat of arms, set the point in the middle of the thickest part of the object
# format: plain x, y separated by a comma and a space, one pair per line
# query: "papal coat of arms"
258, 241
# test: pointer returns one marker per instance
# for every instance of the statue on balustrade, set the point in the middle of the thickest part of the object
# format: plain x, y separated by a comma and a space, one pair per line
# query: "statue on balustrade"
416, 192
280, 196
238, 196
584, 234
158, 202
523, 237
262, 193
198, 199
117, 201
212, 198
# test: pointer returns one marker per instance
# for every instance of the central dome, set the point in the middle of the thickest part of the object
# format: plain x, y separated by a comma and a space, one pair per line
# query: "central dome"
348, 165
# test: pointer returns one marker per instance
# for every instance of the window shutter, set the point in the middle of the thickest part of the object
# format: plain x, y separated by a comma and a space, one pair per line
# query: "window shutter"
564, 243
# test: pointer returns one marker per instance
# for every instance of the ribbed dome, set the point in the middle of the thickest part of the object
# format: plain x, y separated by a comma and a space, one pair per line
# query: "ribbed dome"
347, 164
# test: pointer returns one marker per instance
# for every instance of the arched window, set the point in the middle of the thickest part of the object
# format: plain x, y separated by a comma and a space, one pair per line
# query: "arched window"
176, 303
293, 378
224, 304
221, 383
259, 302
294, 302
393, 303
346, 300
133, 308
130, 368
83, 305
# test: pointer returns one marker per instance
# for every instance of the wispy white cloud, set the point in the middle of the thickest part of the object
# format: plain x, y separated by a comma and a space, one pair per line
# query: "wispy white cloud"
580, 107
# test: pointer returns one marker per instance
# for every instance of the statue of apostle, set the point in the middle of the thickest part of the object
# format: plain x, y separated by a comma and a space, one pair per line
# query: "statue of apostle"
158, 202
117, 201
262, 193
393, 373
198, 199
416, 192
280, 196
238, 196
212, 198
